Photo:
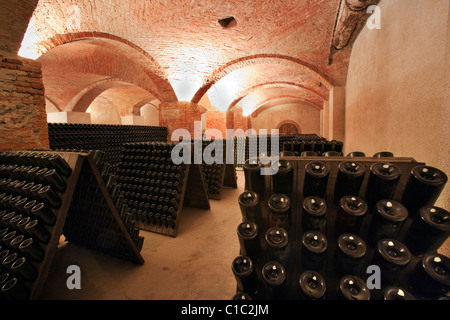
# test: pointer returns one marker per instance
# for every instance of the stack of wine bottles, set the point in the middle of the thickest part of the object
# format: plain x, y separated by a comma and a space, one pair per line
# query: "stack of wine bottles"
214, 177
218, 170
310, 145
288, 145
341, 229
108, 138
240, 153
214, 168
32, 185
151, 185
110, 231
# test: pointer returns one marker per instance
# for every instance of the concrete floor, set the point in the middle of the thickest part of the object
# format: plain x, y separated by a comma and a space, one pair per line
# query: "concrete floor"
195, 265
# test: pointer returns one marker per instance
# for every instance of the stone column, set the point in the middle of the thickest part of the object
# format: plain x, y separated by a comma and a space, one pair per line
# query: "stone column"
337, 114
326, 120
239, 120
179, 115
216, 120
23, 119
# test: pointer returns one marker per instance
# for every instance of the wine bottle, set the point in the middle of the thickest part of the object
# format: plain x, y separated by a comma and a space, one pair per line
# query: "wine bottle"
275, 281
430, 277
350, 215
314, 213
428, 230
312, 285
44, 214
279, 211
32, 250
249, 240
254, 180
316, 179
350, 253
352, 287
24, 269
349, 179
38, 231
245, 275
250, 207
14, 289
283, 179
387, 221
50, 197
314, 250
423, 188
277, 241
392, 256
383, 181
397, 293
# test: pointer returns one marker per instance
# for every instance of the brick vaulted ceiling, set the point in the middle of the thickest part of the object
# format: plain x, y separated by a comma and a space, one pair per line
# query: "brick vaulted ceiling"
177, 50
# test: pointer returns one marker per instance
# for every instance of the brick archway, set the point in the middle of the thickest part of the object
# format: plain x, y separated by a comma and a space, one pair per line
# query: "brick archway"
312, 95
283, 60
142, 69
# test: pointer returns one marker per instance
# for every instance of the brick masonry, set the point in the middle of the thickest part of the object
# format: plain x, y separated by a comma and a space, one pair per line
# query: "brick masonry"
216, 120
23, 120
179, 115
276, 47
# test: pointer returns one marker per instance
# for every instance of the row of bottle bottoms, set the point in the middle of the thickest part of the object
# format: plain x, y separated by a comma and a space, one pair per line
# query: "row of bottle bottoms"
161, 216
36, 195
106, 127
25, 231
141, 148
213, 182
423, 186
101, 132
31, 184
428, 229
21, 253
427, 279
426, 233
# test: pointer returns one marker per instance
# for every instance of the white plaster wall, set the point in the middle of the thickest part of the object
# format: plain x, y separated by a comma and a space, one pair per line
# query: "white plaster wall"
150, 114
397, 91
307, 116
103, 111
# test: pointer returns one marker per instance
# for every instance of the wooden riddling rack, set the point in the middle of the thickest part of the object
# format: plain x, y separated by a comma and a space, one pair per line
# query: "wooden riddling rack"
84, 218
219, 175
294, 267
148, 180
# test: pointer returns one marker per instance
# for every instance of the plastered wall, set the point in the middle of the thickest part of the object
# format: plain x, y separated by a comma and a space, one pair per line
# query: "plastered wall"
397, 92
306, 116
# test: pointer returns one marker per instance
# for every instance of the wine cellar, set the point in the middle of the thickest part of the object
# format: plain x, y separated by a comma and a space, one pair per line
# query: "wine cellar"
203, 151
312, 230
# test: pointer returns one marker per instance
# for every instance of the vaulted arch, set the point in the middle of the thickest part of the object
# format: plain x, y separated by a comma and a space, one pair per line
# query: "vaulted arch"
315, 97
270, 59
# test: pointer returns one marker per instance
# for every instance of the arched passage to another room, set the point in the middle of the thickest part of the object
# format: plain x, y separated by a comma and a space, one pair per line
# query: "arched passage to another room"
100, 80
288, 127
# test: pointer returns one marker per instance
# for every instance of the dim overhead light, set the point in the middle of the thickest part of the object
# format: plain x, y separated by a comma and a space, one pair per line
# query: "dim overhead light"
227, 22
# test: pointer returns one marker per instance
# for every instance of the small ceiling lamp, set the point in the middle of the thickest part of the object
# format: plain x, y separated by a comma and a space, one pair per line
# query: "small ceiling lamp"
228, 22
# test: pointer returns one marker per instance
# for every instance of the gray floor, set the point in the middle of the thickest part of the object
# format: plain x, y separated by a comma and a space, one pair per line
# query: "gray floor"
194, 265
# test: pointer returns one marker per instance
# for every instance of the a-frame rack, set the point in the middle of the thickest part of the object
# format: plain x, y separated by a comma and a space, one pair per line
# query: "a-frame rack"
69, 170
156, 189
219, 175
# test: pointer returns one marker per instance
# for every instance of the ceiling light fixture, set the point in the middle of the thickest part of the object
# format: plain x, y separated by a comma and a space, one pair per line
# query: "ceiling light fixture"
227, 22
